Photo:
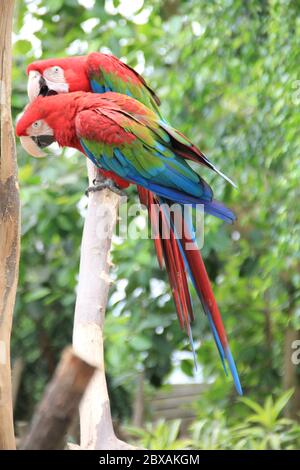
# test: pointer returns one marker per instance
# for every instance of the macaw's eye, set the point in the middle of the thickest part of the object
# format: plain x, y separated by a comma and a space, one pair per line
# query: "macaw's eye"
36, 124
54, 74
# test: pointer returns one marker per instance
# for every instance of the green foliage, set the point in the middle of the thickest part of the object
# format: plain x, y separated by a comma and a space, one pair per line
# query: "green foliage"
263, 428
228, 77
161, 435
267, 415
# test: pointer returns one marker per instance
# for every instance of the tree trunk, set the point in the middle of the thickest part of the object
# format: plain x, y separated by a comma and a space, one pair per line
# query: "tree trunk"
96, 428
59, 404
268, 330
9, 227
139, 402
17, 371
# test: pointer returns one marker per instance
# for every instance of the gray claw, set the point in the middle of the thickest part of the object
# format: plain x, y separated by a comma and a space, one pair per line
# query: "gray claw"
105, 184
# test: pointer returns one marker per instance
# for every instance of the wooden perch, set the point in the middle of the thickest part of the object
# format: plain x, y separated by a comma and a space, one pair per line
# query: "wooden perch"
9, 226
59, 404
96, 426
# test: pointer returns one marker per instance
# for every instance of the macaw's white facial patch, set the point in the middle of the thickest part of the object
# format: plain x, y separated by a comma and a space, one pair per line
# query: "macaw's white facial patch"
52, 79
55, 79
33, 86
38, 128
39, 136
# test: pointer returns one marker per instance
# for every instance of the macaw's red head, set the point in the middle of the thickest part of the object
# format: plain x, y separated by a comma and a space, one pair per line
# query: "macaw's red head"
46, 120
55, 76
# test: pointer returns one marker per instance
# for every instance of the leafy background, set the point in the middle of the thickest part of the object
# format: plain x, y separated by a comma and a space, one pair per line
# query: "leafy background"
227, 73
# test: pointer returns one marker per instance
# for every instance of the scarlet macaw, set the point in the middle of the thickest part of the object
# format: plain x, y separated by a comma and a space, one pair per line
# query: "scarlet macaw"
121, 135
98, 73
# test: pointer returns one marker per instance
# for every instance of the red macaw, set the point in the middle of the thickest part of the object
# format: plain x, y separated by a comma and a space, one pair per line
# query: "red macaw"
95, 72
98, 73
121, 135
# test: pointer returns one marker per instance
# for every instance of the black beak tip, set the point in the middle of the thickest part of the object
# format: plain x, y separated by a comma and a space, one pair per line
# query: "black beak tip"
44, 90
43, 141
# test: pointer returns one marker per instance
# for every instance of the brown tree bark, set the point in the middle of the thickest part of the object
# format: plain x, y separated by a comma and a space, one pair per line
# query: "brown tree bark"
139, 402
9, 226
169, 8
59, 404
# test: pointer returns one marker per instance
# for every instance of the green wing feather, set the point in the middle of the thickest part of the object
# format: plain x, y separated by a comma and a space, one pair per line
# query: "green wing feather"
138, 150
107, 73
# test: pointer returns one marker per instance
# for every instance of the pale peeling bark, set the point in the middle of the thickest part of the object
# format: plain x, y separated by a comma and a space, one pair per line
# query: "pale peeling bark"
96, 427
9, 226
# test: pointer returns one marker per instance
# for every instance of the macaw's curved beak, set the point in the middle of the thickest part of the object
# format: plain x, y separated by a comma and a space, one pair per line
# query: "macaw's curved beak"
44, 88
34, 145
39, 86
33, 85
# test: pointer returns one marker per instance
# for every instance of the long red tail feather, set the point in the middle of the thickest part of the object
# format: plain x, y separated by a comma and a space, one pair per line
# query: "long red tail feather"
182, 258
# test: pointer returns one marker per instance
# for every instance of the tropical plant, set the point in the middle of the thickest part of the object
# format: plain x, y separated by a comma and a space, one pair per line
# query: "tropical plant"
263, 428
161, 435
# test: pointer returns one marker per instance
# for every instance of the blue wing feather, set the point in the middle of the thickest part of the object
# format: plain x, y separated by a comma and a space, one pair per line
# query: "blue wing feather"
125, 169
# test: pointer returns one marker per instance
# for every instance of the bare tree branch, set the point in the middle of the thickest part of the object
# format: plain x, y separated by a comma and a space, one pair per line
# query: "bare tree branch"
94, 282
59, 404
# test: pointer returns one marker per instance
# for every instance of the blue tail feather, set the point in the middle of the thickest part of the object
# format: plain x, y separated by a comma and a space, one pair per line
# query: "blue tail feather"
193, 347
233, 370
217, 341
